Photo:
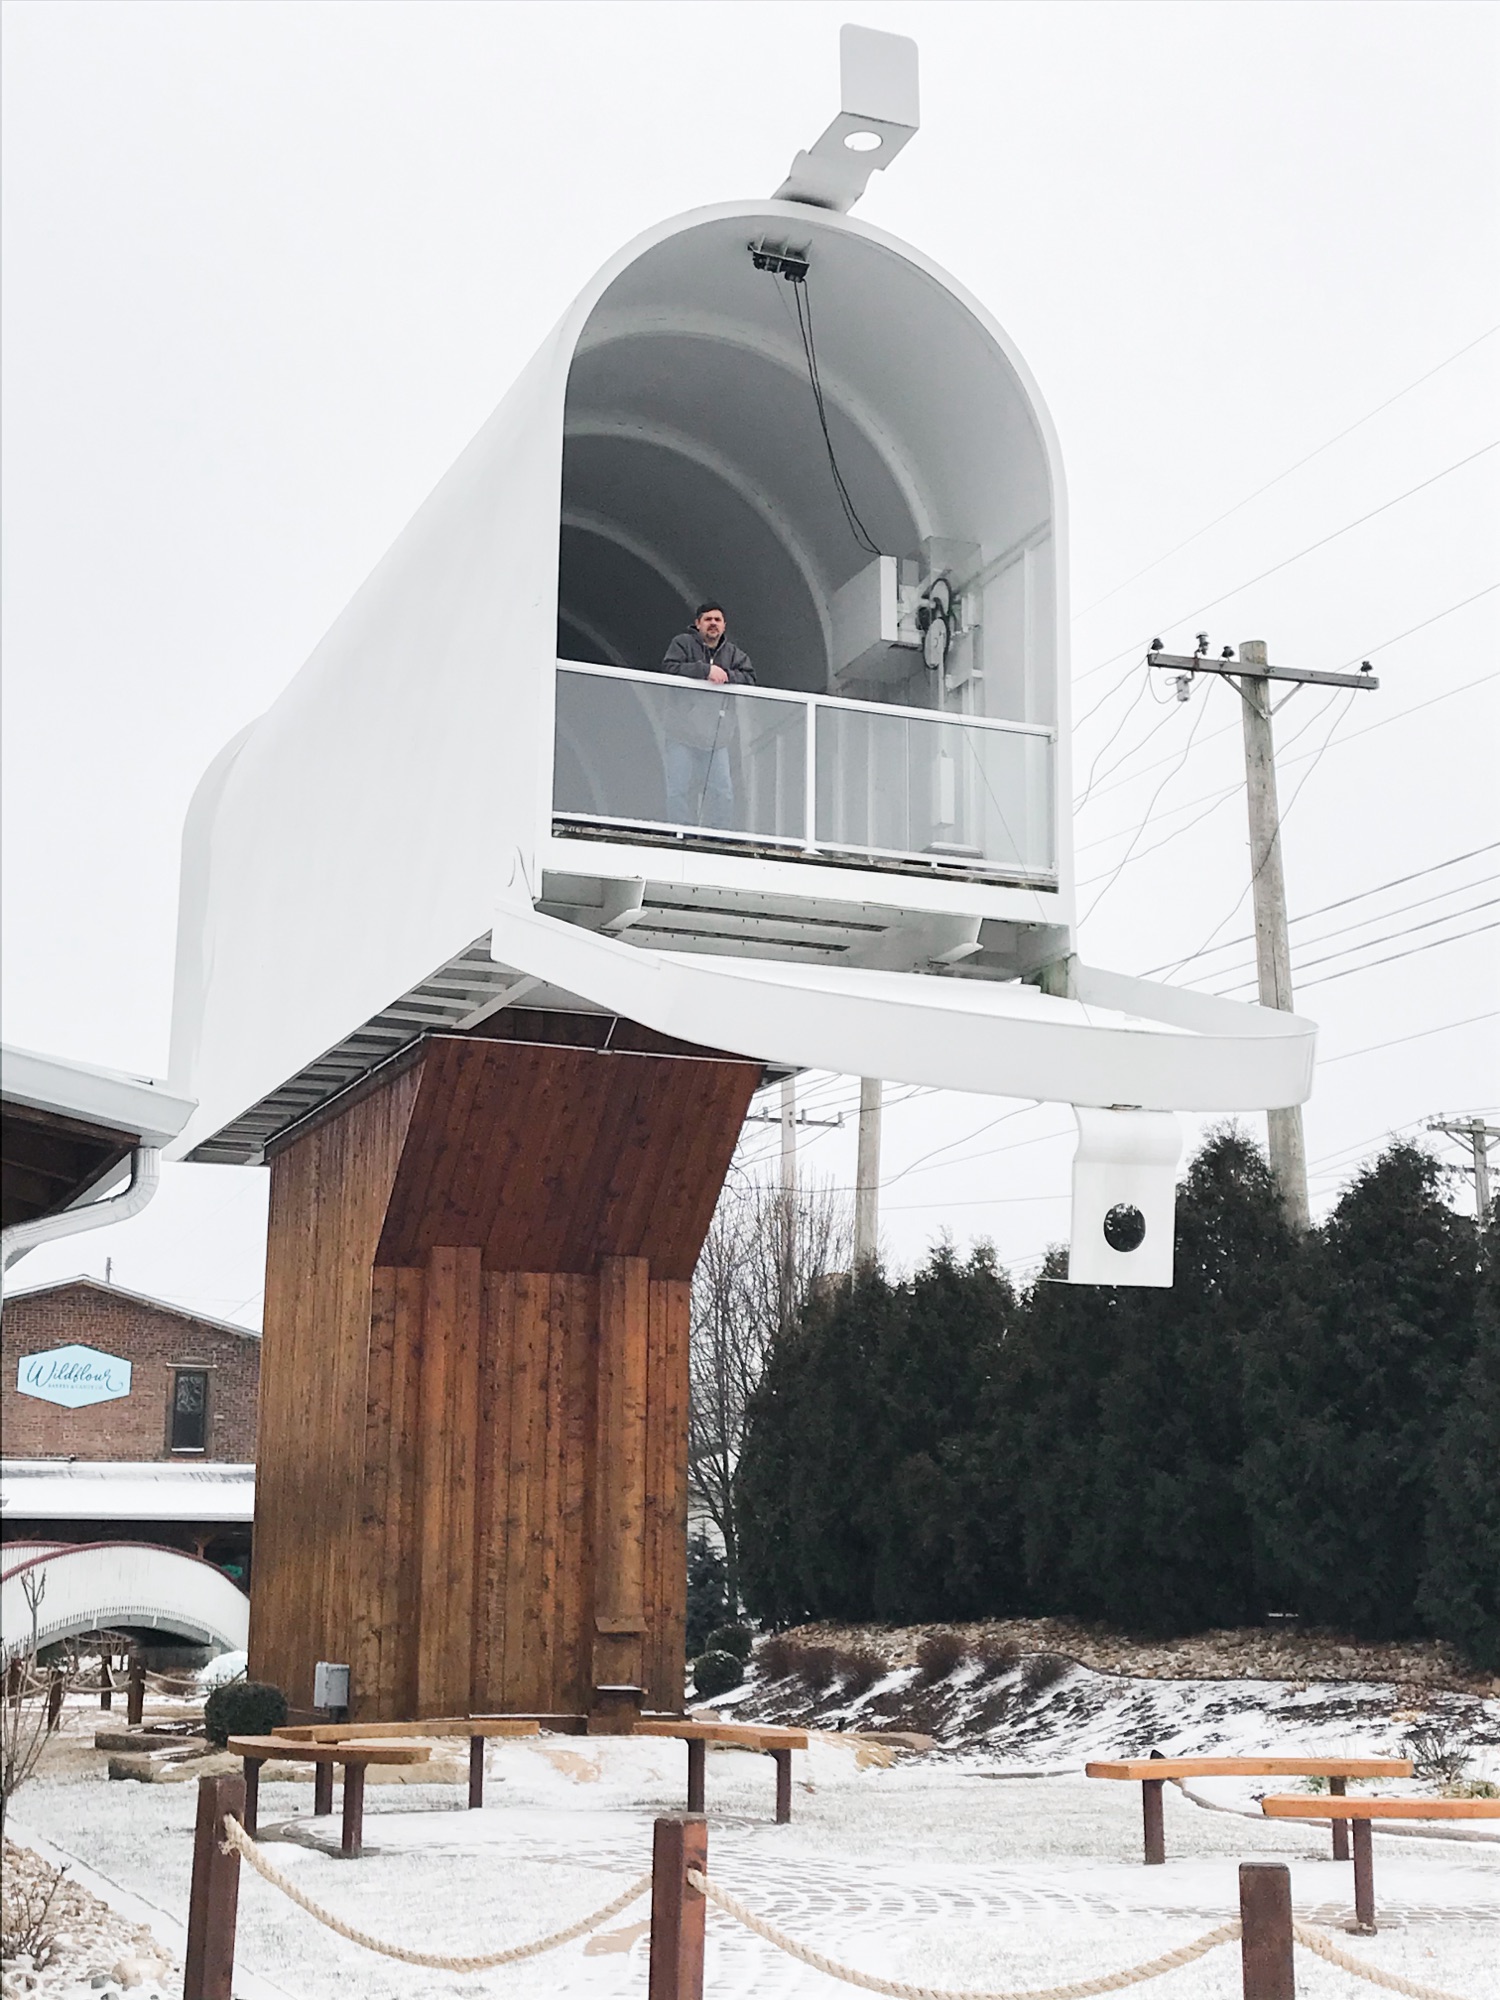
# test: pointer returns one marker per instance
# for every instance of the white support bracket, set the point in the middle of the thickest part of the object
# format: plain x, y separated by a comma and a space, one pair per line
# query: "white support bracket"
878, 95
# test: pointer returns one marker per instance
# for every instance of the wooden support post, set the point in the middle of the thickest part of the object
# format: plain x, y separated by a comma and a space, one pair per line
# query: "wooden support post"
354, 1812
620, 1495
106, 1682
697, 1751
783, 1786
677, 1909
55, 1701
1337, 1788
1364, 1878
1266, 1931
476, 1772
135, 1698
1152, 1822
214, 1897
322, 1790
250, 1815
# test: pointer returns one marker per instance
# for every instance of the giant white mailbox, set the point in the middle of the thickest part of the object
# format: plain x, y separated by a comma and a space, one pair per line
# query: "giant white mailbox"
481, 789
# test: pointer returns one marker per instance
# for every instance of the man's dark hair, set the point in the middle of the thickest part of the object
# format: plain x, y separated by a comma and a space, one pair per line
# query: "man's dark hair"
711, 605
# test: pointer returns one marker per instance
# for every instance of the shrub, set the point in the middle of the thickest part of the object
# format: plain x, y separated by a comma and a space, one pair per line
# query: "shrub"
816, 1666
996, 1656
243, 1708
779, 1657
716, 1673
938, 1654
1043, 1670
858, 1668
736, 1639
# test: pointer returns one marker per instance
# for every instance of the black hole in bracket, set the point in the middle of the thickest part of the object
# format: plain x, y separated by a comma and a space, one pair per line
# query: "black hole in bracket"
1124, 1227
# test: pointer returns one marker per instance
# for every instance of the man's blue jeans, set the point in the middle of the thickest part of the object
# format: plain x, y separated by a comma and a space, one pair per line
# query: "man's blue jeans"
700, 788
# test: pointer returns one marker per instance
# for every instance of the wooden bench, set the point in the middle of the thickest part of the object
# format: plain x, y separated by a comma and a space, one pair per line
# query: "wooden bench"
1151, 1773
355, 1758
770, 1739
478, 1729
1356, 1814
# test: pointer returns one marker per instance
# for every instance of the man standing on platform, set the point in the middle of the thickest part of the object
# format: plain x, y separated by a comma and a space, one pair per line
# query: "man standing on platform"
700, 785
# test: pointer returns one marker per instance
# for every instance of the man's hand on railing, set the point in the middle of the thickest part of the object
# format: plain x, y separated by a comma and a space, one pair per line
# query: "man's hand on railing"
717, 674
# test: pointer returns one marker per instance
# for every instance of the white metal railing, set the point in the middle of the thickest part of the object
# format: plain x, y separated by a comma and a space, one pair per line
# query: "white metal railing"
814, 774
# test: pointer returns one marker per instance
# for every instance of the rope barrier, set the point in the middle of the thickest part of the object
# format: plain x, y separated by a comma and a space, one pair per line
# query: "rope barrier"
1077, 1989
237, 1839
1324, 1947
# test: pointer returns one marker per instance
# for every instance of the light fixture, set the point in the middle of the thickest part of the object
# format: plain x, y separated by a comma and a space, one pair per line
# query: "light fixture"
863, 142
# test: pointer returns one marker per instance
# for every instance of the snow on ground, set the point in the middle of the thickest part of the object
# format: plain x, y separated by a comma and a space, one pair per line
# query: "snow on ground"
954, 1869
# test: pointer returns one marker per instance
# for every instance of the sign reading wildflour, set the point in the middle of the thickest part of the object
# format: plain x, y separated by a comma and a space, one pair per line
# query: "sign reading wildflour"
73, 1376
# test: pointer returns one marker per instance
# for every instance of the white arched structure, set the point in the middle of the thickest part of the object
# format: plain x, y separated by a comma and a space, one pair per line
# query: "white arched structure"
100, 1586
438, 816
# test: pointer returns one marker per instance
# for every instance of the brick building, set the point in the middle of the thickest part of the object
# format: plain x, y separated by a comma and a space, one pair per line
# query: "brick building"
192, 1382
126, 1419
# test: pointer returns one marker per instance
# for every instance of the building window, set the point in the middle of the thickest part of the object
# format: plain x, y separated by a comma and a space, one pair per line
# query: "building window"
189, 1409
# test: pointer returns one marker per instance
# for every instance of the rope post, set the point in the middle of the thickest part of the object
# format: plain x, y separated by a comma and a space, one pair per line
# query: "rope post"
249, 1813
1337, 1787
135, 1694
1364, 1878
697, 1753
677, 1908
106, 1682
1266, 1931
214, 1897
476, 1773
55, 1700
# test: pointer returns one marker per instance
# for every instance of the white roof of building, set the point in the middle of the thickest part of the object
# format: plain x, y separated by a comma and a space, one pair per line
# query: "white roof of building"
46, 1489
138, 1105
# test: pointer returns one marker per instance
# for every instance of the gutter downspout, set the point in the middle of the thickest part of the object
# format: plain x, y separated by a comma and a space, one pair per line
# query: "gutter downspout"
145, 1173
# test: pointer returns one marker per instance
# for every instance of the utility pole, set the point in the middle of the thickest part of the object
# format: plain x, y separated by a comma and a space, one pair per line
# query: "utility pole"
1253, 674
867, 1173
1474, 1133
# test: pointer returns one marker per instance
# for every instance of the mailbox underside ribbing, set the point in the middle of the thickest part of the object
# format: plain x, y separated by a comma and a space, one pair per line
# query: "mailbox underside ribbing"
472, 1466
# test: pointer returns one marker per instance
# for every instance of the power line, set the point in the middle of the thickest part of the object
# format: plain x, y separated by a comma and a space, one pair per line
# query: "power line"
1213, 603
1369, 944
1326, 445
1371, 964
1125, 858
1359, 896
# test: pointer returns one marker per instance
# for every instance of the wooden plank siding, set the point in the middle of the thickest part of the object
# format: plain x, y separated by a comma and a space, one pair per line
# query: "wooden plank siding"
473, 1463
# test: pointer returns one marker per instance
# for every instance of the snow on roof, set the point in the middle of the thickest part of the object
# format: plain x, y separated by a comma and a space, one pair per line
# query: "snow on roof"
16, 1293
39, 1489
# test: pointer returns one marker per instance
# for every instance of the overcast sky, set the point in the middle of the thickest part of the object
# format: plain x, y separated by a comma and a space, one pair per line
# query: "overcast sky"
269, 266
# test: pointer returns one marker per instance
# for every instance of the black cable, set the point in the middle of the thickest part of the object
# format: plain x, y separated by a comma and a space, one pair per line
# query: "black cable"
802, 298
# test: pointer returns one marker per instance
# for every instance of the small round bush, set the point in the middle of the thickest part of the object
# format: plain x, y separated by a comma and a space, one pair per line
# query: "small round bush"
779, 1657
717, 1673
243, 1708
1042, 1671
736, 1639
938, 1655
858, 1669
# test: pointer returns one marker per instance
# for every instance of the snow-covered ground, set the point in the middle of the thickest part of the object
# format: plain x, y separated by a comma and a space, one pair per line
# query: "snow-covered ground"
959, 1870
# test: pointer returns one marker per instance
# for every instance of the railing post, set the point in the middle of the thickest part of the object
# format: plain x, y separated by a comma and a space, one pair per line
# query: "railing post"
677, 1908
1266, 1931
810, 781
214, 1898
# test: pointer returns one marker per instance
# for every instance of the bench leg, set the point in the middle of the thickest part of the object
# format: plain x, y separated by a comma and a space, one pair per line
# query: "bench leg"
1337, 1788
476, 1772
783, 1786
1364, 1877
354, 1812
252, 1795
322, 1790
697, 1763
1152, 1823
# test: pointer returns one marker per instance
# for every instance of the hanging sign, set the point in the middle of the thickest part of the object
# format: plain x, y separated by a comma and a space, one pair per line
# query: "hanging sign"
73, 1376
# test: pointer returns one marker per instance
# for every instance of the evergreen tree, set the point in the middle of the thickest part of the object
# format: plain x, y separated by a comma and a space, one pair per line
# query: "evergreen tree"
1347, 1389
1460, 1590
854, 1496
1121, 1416
707, 1592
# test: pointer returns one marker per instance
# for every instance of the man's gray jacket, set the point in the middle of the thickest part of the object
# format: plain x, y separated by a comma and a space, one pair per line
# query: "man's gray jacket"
690, 657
